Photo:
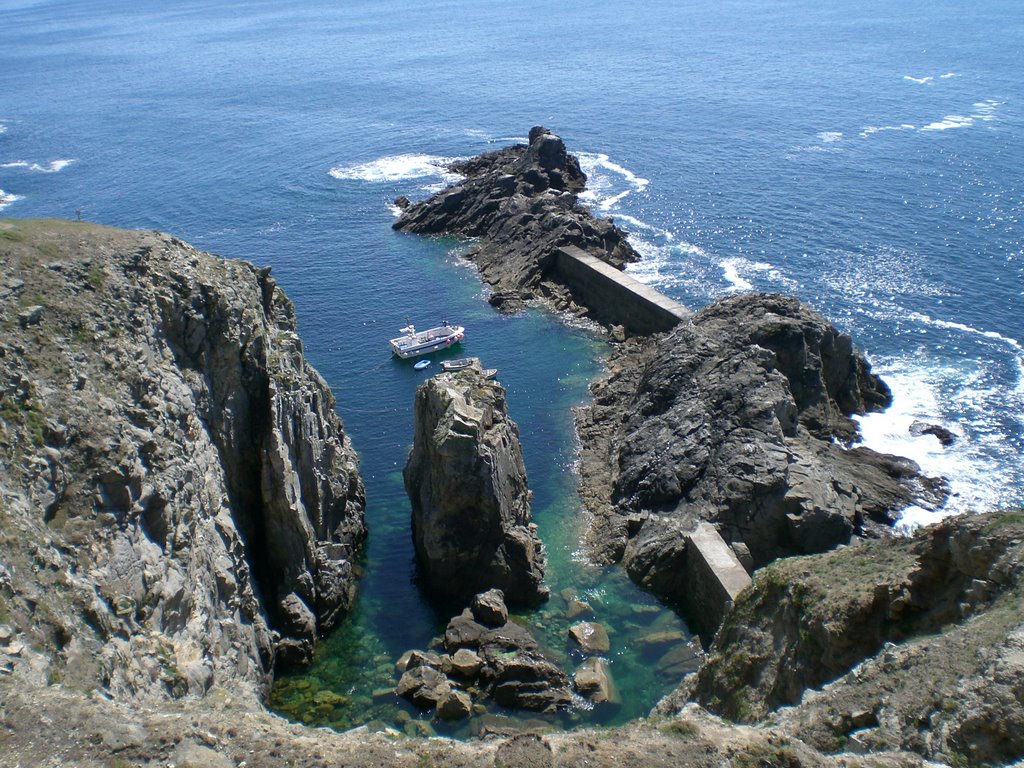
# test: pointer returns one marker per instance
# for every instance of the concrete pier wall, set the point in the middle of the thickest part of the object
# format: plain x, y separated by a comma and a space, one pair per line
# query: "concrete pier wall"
615, 298
714, 576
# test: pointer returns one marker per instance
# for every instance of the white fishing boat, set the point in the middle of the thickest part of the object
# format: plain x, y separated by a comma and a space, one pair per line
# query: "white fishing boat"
413, 343
458, 365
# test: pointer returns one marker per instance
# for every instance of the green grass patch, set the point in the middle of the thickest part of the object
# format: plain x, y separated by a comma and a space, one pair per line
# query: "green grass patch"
1010, 518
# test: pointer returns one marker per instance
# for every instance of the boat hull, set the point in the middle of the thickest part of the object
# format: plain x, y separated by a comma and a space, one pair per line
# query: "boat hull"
425, 342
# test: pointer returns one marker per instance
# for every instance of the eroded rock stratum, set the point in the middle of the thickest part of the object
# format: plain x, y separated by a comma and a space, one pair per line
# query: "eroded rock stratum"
181, 507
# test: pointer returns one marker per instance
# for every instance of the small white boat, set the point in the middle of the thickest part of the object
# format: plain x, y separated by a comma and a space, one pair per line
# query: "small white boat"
421, 365
413, 343
460, 364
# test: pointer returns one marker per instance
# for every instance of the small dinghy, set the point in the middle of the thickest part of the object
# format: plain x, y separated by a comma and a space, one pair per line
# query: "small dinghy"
421, 365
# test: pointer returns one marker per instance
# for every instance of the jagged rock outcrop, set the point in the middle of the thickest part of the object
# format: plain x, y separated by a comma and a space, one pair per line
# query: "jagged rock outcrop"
497, 660
180, 504
521, 204
470, 501
921, 642
738, 417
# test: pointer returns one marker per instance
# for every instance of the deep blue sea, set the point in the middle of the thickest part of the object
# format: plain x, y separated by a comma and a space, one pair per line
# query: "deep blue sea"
866, 156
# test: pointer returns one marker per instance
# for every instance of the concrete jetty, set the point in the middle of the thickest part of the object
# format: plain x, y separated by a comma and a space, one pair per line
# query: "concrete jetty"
611, 296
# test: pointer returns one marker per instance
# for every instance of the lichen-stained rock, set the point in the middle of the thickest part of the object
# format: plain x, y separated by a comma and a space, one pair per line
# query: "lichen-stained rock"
188, 505
740, 417
467, 483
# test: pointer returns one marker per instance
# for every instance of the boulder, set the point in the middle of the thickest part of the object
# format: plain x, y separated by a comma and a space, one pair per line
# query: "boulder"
424, 686
944, 436
470, 501
454, 705
594, 682
465, 663
504, 663
489, 608
590, 636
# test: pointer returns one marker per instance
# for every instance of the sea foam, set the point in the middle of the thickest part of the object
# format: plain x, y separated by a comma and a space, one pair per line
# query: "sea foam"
398, 168
731, 272
608, 182
54, 166
977, 465
6, 198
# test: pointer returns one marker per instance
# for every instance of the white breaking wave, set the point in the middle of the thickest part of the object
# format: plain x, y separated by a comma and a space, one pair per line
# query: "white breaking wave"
986, 110
948, 75
52, 167
605, 180
731, 272
983, 110
950, 121
398, 168
6, 198
636, 223
978, 465
872, 129
919, 80
827, 137
949, 324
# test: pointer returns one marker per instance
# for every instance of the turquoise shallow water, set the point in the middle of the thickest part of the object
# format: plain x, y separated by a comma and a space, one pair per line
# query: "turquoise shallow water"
865, 156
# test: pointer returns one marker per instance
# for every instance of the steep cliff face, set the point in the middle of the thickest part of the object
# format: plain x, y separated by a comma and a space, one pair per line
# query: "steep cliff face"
737, 417
181, 507
467, 482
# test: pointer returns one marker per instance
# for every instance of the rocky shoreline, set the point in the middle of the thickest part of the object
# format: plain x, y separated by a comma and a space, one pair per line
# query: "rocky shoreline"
180, 512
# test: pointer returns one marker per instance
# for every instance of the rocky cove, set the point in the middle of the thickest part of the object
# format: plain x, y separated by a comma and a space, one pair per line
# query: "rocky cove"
182, 513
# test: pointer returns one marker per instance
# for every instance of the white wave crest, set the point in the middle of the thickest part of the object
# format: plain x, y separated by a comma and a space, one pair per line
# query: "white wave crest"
951, 325
986, 110
731, 272
605, 180
398, 168
948, 75
827, 137
6, 198
870, 130
950, 121
978, 465
632, 221
919, 80
52, 167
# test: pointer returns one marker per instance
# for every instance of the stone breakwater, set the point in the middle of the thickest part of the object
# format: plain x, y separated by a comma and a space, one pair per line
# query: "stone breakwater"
181, 507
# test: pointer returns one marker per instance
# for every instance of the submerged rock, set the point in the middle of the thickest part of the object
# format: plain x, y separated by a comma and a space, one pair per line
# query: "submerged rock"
470, 502
590, 636
593, 680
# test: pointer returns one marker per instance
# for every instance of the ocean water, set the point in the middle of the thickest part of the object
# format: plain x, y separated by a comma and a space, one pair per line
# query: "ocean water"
866, 156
